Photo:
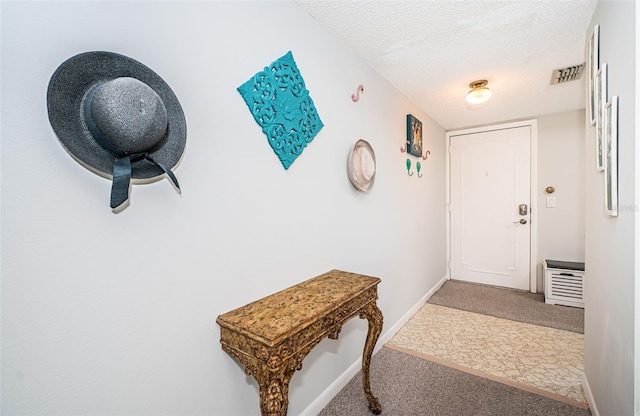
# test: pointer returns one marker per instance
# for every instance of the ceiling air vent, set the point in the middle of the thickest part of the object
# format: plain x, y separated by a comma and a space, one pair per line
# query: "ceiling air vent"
571, 73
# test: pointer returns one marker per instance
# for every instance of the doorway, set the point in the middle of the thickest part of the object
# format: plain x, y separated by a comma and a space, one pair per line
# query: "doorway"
491, 226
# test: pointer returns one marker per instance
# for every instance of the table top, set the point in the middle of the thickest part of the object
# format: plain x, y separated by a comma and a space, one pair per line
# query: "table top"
275, 317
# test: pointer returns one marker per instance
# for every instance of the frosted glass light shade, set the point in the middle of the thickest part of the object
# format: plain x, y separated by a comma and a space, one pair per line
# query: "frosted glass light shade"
479, 92
478, 95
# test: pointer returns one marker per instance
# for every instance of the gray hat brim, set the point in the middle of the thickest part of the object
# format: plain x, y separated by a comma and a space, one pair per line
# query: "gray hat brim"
65, 93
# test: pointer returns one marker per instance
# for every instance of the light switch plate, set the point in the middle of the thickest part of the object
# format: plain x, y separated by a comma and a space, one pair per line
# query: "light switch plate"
551, 202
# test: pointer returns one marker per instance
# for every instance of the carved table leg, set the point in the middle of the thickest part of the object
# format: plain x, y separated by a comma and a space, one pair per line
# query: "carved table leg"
274, 392
374, 316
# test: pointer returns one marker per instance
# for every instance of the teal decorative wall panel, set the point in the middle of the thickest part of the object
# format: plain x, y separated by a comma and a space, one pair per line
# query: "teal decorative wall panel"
280, 103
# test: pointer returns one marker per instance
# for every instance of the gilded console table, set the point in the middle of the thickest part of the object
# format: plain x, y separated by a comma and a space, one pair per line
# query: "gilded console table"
272, 336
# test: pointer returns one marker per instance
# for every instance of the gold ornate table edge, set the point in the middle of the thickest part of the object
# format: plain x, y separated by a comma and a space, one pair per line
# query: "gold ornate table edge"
271, 336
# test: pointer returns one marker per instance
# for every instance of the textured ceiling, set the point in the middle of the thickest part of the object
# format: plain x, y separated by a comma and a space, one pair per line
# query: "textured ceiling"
432, 50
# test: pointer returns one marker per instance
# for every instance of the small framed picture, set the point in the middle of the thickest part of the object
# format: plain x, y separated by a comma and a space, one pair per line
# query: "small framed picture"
414, 136
610, 131
601, 93
593, 66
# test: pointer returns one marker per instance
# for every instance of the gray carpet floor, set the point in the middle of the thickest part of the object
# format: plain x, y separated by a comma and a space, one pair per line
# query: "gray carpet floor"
407, 385
410, 386
509, 304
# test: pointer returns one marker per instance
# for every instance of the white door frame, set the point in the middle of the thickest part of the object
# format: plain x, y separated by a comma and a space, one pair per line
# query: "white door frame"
533, 218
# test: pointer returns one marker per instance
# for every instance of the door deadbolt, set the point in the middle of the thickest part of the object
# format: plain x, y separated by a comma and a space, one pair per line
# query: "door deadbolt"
522, 209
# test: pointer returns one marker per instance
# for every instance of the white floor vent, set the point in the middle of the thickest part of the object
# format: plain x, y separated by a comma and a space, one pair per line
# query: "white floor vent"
564, 283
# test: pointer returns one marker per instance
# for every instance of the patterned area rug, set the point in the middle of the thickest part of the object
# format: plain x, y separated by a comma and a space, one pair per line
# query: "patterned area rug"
535, 358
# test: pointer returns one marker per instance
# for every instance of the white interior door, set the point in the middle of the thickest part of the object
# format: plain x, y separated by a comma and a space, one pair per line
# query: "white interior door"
490, 207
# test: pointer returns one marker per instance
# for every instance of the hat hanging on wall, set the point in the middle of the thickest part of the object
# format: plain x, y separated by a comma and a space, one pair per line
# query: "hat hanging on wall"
361, 166
117, 118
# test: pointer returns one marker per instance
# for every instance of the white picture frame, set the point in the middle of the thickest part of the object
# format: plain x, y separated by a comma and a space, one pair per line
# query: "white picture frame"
610, 134
593, 62
601, 94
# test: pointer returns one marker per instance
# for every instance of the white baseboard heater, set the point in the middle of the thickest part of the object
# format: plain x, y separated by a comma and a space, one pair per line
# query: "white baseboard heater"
564, 283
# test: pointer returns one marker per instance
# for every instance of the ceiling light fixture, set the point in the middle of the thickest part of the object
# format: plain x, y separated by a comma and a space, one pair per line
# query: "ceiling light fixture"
479, 92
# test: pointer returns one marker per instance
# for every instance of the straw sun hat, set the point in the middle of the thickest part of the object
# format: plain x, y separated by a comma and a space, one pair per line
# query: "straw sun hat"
361, 166
117, 118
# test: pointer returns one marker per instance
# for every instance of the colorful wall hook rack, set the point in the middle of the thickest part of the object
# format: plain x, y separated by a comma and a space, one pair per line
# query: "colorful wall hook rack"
418, 168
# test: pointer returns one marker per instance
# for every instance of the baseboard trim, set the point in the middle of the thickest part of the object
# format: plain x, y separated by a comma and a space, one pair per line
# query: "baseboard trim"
405, 318
334, 388
586, 389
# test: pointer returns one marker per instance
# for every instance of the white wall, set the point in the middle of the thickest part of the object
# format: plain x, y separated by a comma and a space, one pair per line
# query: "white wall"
108, 313
637, 237
609, 244
561, 165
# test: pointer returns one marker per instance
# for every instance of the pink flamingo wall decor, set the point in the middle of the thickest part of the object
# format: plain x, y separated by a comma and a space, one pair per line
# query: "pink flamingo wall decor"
355, 97
404, 149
